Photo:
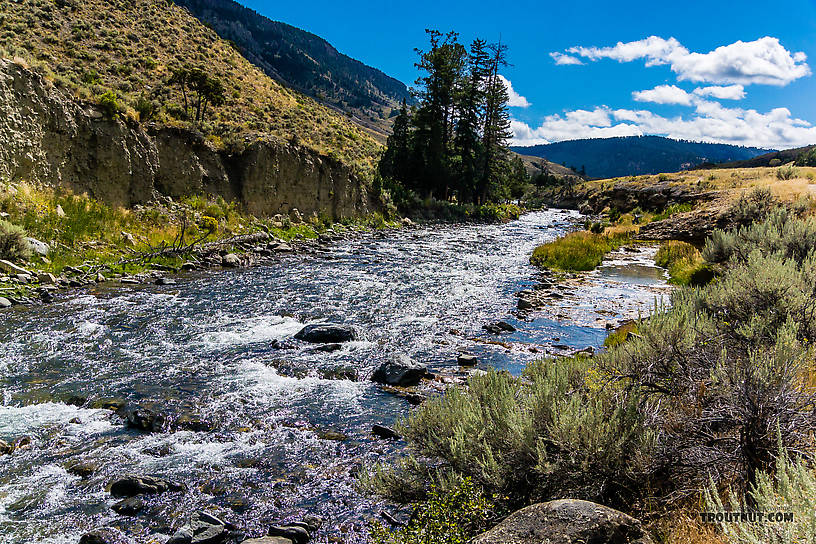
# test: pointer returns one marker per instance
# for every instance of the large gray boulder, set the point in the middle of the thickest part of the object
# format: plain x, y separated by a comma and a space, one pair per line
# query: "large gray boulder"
400, 371
326, 333
566, 521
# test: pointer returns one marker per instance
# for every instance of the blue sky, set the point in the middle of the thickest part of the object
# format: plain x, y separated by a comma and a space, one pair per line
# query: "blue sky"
734, 72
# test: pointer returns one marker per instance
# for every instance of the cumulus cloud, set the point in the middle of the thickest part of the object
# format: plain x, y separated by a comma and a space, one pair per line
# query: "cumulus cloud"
710, 122
516, 100
562, 59
664, 94
731, 92
763, 61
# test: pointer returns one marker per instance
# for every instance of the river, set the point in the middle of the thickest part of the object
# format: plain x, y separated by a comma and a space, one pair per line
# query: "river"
218, 346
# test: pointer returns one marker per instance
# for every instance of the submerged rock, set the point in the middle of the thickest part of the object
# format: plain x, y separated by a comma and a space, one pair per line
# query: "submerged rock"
268, 540
207, 529
566, 521
499, 327
401, 371
129, 507
326, 333
94, 538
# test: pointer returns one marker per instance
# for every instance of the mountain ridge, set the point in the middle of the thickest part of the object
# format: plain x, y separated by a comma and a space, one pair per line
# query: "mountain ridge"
637, 155
306, 62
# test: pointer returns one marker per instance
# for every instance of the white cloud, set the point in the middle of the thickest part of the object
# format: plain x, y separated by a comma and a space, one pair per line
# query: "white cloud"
710, 122
731, 92
516, 100
763, 61
562, 59
664, 94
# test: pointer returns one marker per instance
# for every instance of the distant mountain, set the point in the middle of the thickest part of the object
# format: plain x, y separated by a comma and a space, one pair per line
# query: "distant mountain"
636, 155
305, 62
774, 158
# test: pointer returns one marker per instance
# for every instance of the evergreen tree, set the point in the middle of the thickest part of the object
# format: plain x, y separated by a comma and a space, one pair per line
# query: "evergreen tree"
496, 132
471, 107
395, 163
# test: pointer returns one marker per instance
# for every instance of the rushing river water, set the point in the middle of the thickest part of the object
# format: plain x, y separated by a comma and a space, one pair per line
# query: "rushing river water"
211, 347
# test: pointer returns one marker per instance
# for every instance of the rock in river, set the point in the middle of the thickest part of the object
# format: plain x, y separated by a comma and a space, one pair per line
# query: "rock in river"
566, 521
382, 431
326, 333
129, 507
132, 485
401, 370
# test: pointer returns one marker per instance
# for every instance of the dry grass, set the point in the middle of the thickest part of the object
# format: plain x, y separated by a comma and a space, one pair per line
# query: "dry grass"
686, 528
130, 47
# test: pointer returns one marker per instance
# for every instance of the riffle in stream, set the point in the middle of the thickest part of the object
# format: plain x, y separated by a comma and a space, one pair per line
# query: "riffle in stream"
218, 348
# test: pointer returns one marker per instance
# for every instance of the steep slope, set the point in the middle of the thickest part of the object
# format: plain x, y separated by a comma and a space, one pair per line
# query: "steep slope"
637, 155
49, 138
305, 62
131, 47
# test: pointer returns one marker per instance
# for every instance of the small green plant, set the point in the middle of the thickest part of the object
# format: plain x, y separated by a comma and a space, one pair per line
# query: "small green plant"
109, 103
13, 244
450, 516
672, 210
209, 224
145, 108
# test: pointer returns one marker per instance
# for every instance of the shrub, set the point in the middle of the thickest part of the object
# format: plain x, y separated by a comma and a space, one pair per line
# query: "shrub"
791, 488
554, 431
447, 517
209, 224
787, 172
13, 244
145, 108
109, 103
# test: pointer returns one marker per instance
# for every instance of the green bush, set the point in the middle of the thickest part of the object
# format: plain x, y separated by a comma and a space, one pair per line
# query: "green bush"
145, 108
672, 210
451, 516
554, 431
109, 103
790, 488
787, 172
13, 244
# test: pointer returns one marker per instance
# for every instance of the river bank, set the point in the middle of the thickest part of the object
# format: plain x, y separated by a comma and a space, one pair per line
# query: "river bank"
265, 429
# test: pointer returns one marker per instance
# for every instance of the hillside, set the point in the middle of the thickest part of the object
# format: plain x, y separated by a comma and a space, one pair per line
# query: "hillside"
636, 155
774, 158
130, 48
306, 62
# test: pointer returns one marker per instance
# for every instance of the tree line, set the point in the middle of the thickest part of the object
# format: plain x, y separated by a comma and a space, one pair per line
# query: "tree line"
453, 144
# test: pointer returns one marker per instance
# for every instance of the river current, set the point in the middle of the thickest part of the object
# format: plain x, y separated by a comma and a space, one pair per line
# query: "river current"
284, 437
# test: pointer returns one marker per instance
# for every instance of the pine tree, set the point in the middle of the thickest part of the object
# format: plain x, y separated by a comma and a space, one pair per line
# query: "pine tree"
396, 160
471, 99
496, 132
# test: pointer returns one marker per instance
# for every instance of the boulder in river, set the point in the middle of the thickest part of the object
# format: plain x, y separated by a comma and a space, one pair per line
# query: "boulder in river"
382, 431
294, 532
268, 540
94, 538
145, 420
566, 521
129, 506
466, 359
5, 448
401, 371
4, 302
499, 327
208, 529
230, 260
131, 485
326, 333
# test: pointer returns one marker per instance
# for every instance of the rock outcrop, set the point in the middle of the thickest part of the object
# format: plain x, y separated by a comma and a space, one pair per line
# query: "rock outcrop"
566, 521
50, 138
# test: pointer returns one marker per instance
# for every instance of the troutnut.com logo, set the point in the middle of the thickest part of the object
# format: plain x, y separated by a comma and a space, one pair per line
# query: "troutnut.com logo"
746, 517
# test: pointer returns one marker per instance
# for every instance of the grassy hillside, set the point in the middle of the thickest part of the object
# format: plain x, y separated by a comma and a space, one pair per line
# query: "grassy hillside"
636, 155
131, 47
306, 62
